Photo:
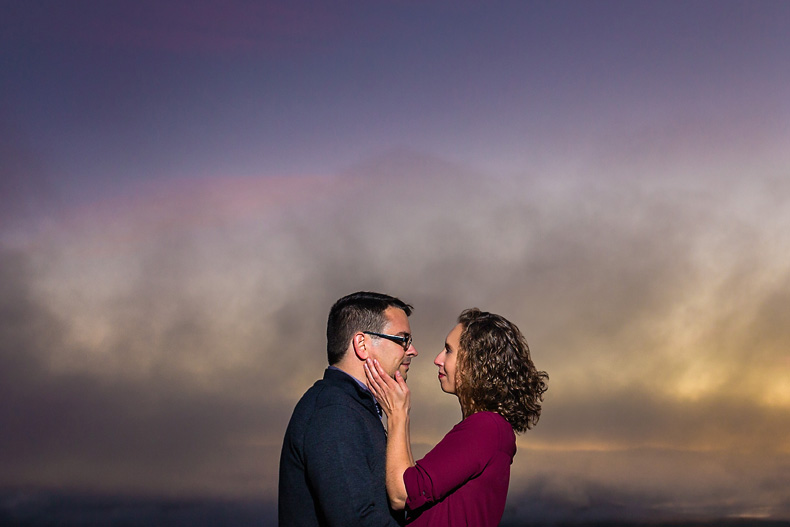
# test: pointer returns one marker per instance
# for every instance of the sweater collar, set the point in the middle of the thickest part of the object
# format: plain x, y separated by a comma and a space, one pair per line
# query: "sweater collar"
353, 387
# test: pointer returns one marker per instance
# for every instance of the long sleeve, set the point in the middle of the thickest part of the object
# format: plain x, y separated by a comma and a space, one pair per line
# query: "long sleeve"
463, 480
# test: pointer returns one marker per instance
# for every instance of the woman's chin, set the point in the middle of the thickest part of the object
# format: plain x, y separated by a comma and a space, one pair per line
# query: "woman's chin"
445, 389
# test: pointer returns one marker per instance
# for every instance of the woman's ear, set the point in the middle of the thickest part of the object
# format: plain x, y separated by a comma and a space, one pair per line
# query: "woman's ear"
360, 346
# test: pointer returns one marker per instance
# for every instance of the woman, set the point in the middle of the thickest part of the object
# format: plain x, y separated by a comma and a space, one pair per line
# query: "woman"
464, 479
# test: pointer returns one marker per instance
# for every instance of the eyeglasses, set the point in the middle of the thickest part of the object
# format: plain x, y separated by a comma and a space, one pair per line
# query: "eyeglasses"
405, 342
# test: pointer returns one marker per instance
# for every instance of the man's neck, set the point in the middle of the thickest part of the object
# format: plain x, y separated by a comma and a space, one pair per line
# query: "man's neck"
350, 370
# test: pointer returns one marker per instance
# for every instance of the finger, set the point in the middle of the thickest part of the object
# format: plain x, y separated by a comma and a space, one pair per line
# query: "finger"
370, 366
401, 381
385, 378
373, 383
371, 363
380, 380
369, 375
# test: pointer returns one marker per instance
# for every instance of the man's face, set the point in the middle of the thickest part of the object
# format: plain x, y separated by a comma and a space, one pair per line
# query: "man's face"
391, 354
407, 357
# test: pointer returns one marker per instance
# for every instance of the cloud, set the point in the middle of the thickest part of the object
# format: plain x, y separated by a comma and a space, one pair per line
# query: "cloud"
163, 352
82, 430
578, 487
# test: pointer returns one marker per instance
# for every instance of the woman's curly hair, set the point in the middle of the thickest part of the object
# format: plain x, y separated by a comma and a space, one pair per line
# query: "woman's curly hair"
495, 370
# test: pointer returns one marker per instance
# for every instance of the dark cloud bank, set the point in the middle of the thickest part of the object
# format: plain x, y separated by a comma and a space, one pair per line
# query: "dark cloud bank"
60, 509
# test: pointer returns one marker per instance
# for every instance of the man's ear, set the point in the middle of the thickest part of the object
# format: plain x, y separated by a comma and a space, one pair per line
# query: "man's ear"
360, 349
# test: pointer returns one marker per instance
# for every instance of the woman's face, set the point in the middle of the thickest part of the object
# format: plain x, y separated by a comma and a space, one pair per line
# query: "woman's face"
447, 360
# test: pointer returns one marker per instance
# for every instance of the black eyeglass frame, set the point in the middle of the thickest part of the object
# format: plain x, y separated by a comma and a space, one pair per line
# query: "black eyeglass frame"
405, 342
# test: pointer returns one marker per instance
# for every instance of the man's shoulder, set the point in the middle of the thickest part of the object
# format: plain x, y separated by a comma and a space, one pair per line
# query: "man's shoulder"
325, 390
326, 396
327, 412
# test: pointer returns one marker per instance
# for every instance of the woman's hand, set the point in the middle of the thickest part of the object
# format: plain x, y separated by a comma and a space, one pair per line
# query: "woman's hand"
394, 397
392, 394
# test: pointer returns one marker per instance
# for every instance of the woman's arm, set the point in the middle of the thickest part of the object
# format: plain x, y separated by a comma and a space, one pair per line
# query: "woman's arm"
394, 397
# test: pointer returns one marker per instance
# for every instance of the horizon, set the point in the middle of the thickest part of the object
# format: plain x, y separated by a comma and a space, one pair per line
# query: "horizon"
85, 509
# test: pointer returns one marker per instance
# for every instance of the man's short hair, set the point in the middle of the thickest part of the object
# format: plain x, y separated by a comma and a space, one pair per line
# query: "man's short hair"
362, 311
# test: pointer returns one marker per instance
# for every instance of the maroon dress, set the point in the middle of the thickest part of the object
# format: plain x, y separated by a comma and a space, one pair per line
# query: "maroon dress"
464, 479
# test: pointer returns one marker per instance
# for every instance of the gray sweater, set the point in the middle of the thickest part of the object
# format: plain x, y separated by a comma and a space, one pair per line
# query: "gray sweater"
332, 465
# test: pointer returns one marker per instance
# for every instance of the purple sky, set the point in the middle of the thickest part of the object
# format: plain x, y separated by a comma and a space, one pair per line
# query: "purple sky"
186, 187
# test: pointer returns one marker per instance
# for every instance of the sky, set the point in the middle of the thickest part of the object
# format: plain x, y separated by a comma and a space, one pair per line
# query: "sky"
187, 186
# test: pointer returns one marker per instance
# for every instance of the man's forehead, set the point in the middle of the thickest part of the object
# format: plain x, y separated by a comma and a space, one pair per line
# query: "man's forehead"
397, 319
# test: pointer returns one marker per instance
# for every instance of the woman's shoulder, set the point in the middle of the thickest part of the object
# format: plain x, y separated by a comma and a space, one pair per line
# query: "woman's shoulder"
489, 427
487, 419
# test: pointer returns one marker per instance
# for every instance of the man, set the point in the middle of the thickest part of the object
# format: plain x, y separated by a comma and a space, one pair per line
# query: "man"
404, 365
332, 465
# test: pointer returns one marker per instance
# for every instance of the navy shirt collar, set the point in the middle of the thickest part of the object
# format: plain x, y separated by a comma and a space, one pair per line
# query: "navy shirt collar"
362, 385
